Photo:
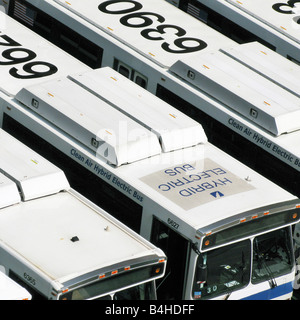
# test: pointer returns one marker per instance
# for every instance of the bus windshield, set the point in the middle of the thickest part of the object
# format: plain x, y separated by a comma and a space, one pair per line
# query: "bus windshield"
145, 291
228, 268
113, 286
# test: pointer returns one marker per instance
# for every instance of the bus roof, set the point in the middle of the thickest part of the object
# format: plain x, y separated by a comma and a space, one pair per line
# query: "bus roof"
34, 175
9, 192
10, 290
45, 57
251, 79
196, 34
67, 237
189, 182
286, 24
202, 185
64, 234
112, 106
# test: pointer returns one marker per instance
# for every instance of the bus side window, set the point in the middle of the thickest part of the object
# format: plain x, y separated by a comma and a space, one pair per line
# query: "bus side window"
140, 80
124, 71
130, 73
78, 46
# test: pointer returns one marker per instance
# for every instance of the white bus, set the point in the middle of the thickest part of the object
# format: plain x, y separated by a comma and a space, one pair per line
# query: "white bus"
225, 229
245, 96
59, 245
11, 290
275, 23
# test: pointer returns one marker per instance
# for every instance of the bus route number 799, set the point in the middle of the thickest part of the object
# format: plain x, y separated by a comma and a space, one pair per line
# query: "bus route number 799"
14, 54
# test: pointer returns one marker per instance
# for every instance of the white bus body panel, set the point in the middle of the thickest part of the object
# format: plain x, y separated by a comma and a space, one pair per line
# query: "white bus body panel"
174, 129
9, 191
10, 290
44, 51
88, 118
245, 90
267, 63
115, 107
35, 176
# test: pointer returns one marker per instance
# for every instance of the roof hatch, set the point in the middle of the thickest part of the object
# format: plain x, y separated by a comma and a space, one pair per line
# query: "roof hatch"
34, 175
174, 129
91, 121
244, 90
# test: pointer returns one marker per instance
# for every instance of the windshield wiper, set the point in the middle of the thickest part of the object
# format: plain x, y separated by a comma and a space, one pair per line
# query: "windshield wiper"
261, 259
241, 269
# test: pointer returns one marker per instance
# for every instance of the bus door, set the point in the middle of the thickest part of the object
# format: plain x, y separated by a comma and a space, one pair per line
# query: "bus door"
177, 250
